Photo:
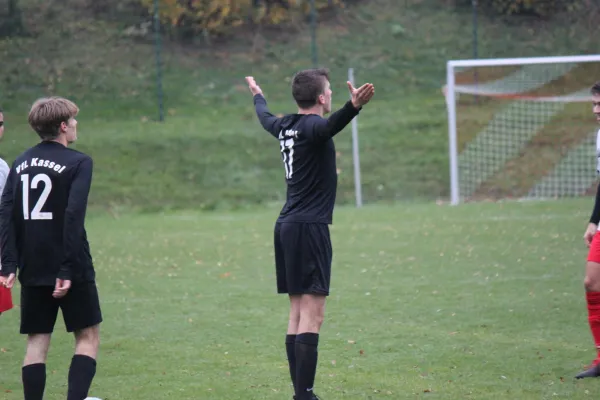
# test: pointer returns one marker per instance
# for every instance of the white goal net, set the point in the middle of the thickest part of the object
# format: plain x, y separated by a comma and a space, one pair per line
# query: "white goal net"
521, 128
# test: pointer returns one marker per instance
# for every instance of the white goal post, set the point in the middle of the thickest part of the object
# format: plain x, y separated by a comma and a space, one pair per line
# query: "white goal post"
520, 128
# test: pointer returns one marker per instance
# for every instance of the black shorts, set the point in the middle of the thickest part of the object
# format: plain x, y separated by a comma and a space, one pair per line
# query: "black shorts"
302, 258
80, 308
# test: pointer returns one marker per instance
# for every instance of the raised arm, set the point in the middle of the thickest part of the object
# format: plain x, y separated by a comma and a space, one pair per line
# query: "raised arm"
271, 123
74, 218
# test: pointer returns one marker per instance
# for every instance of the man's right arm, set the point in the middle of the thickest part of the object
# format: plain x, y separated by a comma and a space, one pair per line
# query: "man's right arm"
271, 123
8, 247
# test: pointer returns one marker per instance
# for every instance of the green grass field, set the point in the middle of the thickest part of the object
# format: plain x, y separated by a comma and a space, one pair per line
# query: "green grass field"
480, 301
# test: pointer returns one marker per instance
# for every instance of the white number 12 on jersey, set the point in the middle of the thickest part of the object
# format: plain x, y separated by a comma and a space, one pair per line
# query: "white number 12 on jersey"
36, 213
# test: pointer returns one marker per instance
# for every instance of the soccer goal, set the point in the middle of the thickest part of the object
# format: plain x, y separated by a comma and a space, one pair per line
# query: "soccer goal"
521, 127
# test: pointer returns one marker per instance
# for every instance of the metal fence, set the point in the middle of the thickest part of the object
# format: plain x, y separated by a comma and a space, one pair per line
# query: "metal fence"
126, 63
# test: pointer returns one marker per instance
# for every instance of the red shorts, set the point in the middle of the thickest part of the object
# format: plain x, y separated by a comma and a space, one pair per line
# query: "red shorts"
5, 299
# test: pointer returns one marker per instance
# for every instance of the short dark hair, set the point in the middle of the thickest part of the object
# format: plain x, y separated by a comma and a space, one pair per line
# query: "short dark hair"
307, 85
595, 89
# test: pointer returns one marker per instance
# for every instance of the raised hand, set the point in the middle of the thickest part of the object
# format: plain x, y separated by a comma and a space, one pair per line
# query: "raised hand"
362, 95
254, 88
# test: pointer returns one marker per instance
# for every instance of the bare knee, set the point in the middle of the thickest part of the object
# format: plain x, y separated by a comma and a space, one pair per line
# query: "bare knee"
37, 349
294, 320
311, 323
87, 341
587, 283
312, 313
592, 277
317, 321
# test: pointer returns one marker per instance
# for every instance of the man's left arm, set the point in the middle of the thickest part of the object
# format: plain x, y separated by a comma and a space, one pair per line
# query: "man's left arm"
75, 217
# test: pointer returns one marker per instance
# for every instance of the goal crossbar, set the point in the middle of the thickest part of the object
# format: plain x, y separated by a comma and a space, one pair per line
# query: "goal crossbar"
501, 62
451, 91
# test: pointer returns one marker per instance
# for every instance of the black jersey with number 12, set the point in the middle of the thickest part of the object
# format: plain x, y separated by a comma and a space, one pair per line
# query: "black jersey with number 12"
42, 215
309, 159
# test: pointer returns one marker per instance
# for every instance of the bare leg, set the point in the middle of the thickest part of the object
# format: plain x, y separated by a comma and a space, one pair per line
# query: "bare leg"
83, 364
87, 341
312, 313
294, 321
34, 366
37, 349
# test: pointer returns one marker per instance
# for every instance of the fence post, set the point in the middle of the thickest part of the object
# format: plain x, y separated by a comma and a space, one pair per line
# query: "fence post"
157, 46
355, 151
313, 33
475, 43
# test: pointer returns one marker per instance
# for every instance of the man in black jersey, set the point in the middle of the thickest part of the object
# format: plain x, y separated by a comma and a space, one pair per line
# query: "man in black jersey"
44, 243
303, 251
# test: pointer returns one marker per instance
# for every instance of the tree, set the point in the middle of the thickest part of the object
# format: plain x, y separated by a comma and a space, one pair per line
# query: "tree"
12, 24
218, 17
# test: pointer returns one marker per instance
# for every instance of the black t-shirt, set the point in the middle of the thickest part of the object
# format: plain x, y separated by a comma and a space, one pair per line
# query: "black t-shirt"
309, 160
42, 214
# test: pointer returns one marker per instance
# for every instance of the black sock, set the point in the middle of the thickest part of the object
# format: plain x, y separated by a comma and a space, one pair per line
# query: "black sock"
81, 374
34, 381
306, 364
290, 348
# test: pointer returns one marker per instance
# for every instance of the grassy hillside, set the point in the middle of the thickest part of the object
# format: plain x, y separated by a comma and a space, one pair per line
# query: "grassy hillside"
210, 152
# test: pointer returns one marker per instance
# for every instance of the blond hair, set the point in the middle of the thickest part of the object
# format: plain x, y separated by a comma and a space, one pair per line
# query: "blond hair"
48, 113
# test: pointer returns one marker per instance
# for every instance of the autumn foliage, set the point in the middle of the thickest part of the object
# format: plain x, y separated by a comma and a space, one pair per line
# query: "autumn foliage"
219, 16
539, 7
542, 8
